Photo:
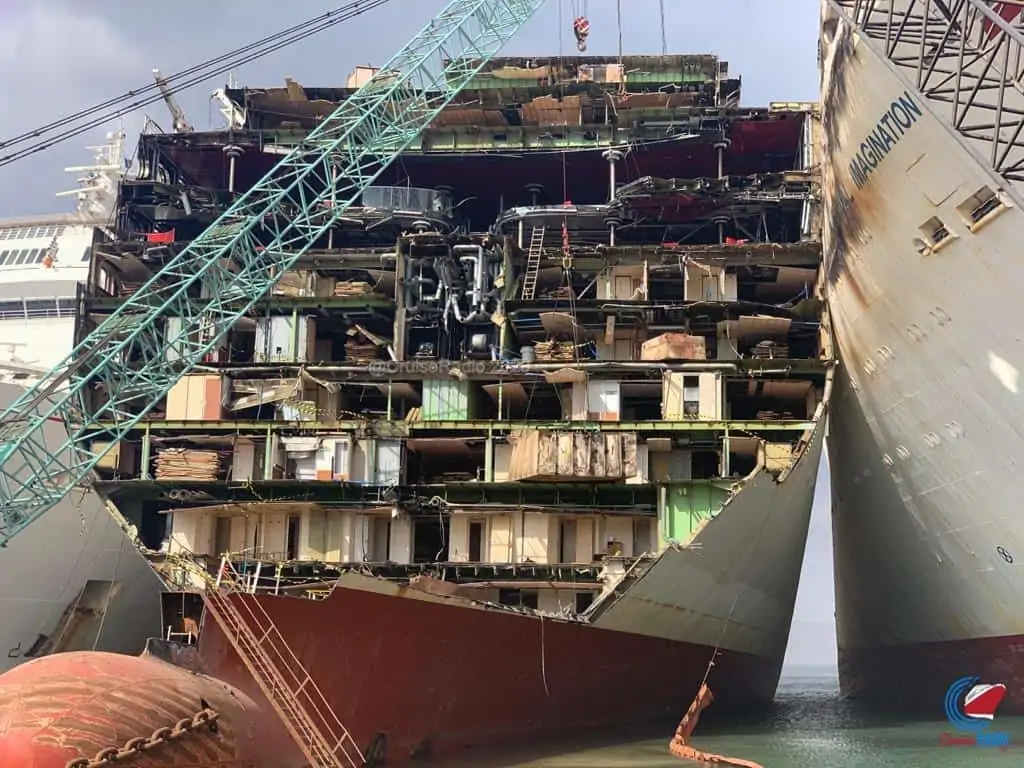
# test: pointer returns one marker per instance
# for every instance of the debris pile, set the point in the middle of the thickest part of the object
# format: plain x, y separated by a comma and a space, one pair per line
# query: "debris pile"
291, 284
769, 350
363, 346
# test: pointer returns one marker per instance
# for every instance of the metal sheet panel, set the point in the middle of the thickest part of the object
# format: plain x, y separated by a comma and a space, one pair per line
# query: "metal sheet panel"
927, 424
447, 400
389, 462
284, 339
734, 585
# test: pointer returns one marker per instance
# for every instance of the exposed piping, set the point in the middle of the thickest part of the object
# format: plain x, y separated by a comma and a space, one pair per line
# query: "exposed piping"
477, 258
588, 364
628, 365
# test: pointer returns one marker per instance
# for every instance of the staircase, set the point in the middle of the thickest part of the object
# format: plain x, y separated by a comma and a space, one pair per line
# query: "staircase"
966, 58
288, 687
533, 263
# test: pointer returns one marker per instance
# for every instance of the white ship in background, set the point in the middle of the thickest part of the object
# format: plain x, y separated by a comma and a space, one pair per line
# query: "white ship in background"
73, 580
924, 224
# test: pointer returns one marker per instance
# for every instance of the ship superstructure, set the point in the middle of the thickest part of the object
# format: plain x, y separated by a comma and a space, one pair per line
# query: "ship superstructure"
923, 211
553, 391
75, 581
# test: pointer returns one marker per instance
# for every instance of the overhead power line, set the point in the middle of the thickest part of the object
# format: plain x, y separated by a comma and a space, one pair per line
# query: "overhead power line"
179, 81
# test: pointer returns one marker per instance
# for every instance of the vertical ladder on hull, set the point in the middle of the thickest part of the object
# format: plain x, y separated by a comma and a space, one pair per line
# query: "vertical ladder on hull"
533, 263
289, 688
965, 58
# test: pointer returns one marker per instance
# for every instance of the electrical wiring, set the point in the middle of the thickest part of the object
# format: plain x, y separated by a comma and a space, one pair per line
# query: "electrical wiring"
181, 81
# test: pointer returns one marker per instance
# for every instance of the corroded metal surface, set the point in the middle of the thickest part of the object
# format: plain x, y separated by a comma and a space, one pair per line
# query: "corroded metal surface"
78, 709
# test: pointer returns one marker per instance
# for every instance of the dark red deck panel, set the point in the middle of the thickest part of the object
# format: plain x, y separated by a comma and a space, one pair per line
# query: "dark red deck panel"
451, 677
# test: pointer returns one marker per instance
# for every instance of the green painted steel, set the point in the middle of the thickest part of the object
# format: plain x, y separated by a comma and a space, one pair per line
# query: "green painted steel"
447, 400
237, 260
687, 506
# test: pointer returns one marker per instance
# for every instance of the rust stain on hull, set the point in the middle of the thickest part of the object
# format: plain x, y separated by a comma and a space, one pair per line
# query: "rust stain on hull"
845, 217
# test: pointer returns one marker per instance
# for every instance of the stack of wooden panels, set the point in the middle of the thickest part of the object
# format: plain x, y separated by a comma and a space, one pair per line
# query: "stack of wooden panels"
352, 288
188, 464
555, 350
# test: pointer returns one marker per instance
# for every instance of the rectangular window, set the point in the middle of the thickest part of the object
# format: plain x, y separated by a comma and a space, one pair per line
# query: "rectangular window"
476, 541
691, 396
11, 310
935, 233
41, 308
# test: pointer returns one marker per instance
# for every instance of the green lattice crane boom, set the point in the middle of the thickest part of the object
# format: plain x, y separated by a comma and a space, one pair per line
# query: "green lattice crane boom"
237, 260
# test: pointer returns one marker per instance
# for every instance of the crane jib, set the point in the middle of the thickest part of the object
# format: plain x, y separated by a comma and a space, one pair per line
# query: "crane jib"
237, 260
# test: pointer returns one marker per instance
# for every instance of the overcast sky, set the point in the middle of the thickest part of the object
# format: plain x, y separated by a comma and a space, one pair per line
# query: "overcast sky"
58, 56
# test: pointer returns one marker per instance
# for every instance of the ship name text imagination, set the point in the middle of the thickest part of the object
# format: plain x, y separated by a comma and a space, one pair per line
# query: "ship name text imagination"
893, 126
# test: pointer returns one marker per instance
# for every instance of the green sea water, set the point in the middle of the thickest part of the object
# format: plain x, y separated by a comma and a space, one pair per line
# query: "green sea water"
809, 727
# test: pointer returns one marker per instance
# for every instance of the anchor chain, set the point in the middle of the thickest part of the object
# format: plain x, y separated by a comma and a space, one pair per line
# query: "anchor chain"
140, 744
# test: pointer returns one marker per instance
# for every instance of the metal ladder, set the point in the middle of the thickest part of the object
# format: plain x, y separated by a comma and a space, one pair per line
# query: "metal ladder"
289, 688
533, 263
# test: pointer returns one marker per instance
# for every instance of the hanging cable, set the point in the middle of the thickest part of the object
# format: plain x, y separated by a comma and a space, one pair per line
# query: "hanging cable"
352, 9
618, 16
664, 39
182, 81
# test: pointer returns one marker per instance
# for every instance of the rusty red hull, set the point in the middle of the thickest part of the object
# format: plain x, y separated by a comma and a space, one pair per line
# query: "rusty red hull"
915, 677
73, 706
435, 678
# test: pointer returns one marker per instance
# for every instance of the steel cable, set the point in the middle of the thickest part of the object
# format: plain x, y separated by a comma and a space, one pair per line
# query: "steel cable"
182, 80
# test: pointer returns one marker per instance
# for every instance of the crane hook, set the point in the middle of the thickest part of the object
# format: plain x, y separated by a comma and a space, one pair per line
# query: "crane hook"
581, 28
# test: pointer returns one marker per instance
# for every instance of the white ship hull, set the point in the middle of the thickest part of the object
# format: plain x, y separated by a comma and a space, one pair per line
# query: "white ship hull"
73, 580
927, 426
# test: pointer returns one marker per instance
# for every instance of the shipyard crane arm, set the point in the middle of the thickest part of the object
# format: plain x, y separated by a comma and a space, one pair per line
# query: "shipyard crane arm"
180, 122
964, 59
236, 261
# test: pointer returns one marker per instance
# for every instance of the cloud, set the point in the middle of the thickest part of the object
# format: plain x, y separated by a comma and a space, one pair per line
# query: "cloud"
55, 60
52, 57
